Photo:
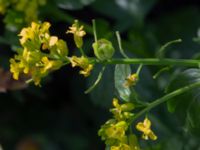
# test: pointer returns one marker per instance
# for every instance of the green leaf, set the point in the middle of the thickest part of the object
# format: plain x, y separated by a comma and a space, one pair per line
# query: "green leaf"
179, 27
137, 8
125, 12
102, 94
121, 73
103, 29
186, 106
73, 4
14, 20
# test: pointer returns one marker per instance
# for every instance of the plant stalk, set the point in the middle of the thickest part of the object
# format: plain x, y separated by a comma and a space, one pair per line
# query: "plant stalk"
166, 98
149, 61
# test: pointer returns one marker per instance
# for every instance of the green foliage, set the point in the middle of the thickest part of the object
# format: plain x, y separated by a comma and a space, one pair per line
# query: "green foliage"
103, 93
20, 13
58, 115
187, 105
73, 4
125, 12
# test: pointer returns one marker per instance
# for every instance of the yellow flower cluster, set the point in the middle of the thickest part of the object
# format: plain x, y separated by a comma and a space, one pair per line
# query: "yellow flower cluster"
40, 54
28, 7
114, 130
83, 63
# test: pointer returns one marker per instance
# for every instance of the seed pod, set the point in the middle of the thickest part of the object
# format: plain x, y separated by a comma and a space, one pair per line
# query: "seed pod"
103, 49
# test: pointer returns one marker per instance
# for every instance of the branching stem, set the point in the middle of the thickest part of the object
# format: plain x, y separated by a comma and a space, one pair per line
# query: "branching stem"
166, 98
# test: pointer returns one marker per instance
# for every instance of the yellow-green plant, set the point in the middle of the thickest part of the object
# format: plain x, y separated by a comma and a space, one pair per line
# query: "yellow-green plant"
20, 12
42, 53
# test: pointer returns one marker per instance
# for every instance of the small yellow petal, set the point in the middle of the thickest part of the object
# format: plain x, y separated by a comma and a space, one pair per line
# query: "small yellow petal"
115, 103
140, 126
14, 68
145, 137
152, 136
81, 33
86, 71
26, 70
53, 40
147, 123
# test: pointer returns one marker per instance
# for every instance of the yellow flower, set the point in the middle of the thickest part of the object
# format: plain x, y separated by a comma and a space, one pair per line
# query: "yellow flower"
50, 64
37, 80
117, 130
53, 40
47, 64
145, 127
86, 71
28, 33
116, 103
35, 33
79, 61
78, 33
122, 107
83, 63
121, 147
121, 111
76, 30
131, 80
14, 68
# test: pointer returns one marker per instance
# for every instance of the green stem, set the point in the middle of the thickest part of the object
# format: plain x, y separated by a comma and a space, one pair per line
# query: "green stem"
150, 61
94, 30
166, 98
139, 69
120, 45
82, 52
162, 50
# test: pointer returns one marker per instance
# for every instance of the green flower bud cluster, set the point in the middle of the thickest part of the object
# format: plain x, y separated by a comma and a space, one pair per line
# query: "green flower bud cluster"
40, 54
113, 132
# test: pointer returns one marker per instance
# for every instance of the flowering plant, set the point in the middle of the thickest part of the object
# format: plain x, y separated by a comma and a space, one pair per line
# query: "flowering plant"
41, 53
67, 82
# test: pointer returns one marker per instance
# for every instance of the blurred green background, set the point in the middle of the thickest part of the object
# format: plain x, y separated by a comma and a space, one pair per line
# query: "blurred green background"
58, 115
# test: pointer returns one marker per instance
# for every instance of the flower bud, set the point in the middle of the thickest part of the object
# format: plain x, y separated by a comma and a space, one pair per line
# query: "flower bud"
127, 107
103, 49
